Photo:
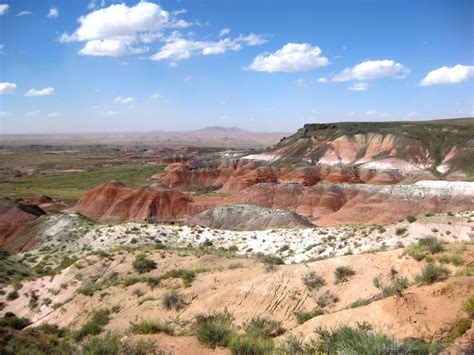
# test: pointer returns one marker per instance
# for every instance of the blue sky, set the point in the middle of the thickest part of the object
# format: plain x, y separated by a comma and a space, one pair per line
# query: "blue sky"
259, 65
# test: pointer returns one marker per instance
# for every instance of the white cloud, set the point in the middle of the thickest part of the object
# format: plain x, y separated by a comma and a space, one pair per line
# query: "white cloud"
3, 9
124, 100
371, 112
252, 39
178, 48
32, 113
53, 13
292, 57
55, 114
156, 96
111, 113
24, 13
113, 31
7, 88
358, 87
322, 80
449, 75
109, 47
4, 114
412, 115
373, 69
224, 31
91, 5
1, 48
350, 114
40, 92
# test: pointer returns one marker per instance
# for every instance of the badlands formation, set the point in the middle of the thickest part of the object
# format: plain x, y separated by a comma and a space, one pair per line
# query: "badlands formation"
348, 238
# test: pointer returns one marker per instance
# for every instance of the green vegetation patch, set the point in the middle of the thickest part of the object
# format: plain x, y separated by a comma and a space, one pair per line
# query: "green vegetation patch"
70, 187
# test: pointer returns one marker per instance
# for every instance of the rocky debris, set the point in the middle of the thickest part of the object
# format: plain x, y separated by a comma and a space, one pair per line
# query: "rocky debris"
14, 217
248, 217
114, 202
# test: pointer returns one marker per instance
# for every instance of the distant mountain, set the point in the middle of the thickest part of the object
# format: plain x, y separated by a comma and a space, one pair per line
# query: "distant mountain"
231, 137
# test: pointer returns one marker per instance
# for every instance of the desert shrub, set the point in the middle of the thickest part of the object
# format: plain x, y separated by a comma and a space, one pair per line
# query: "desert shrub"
142, 264
361, 302
110, 344
466, 271
303, 316
95, 326
400, 231
284, 248
424, 247
264, 327
411, 219
396, 286
173, 300
468, 306
87, 290
431, 274
10, 320
461, 326
13, 295
248, 345
363, 340
153, 281
215, 329
343, 274
271, 259
187, 276
150, 327
326, 299
313, 281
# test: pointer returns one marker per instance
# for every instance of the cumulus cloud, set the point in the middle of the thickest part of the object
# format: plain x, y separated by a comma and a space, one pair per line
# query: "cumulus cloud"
53, 13
3, 9
111, 113
292, 57
24, 13
358, 87
224, 31
106, 47
7, 88
156, 96
322, 80
55, 114
373, 69
40, 92
32, 113
124, 100
448, 75
115, 29
179, 48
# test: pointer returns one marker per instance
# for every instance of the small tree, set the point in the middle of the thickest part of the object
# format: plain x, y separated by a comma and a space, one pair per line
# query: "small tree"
142, 264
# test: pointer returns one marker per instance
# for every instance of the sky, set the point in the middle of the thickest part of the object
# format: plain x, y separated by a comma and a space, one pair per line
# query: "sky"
72, 66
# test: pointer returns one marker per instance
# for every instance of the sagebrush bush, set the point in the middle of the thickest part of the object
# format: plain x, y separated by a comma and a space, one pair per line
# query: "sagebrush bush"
215, 329
468, 306
343, 274
142, 264
303, 316
264, 327
313, 281
95, 326
248, 345
110, 344
150, 327
432, 273
173, 300
424, 247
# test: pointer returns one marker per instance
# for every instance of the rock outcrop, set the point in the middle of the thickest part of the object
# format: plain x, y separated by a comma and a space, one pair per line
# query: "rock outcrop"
248, 217
113, 202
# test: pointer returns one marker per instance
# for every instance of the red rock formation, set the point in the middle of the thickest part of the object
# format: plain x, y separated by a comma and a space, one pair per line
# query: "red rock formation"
14, 217
46, 203
113, 202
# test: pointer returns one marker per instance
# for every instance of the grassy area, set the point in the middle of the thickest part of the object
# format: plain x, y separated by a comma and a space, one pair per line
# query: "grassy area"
70, 187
